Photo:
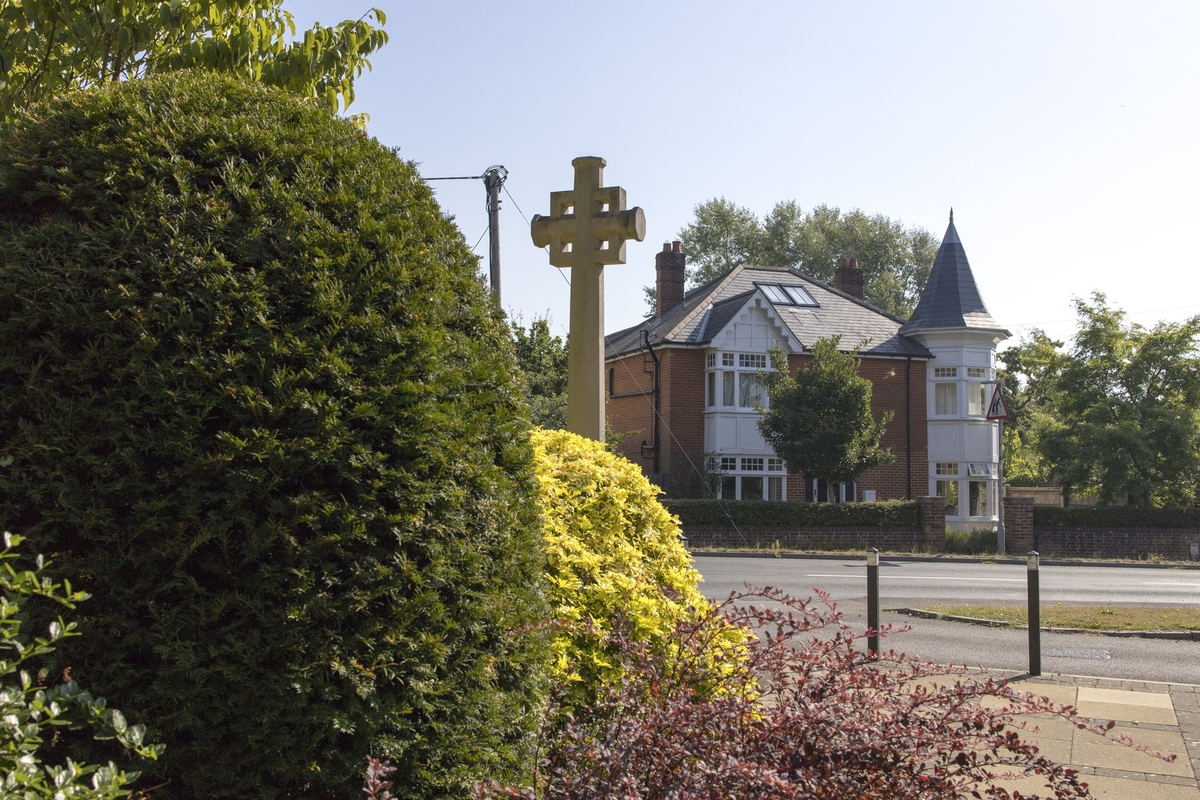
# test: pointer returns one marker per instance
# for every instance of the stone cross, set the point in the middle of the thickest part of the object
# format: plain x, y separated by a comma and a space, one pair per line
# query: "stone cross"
587, 228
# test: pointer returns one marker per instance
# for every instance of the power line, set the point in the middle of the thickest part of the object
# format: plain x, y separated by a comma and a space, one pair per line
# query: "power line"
480, 239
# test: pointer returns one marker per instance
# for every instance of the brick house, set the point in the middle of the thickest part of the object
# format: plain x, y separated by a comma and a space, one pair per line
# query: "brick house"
684, 383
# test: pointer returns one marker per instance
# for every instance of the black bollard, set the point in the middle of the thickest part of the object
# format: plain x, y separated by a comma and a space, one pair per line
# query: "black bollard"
1035, 616
873, 601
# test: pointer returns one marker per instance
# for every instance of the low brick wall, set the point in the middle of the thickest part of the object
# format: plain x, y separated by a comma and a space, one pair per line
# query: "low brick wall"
901, 539
1021, 536
929, 536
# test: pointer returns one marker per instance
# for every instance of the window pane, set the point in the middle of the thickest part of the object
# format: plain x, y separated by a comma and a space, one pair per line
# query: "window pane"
752, 360
752, 488
775, 489
976, 398
800, 296
945, 372
977, 505
751, 390
712, 389
727, 389
949, 490
729, 488
945, 398
774, 295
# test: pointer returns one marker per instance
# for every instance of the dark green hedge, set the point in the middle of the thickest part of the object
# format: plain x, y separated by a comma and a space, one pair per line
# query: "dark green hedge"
790, 516
1045, 517
256, 401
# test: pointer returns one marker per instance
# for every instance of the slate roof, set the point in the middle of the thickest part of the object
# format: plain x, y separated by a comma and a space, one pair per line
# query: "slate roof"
706, 310
950, 298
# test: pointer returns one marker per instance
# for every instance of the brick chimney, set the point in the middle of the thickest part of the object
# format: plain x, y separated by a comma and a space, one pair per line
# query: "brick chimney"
849, 278
669, 268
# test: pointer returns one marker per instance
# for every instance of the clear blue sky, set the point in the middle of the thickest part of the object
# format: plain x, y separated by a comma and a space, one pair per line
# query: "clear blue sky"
1066, 135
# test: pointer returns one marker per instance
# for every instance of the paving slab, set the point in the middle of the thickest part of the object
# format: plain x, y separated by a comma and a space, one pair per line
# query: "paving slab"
1105, 788
1159, 716
1127, 706
1089, 749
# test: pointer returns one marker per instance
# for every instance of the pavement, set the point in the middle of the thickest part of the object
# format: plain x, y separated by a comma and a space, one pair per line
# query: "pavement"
1162, 716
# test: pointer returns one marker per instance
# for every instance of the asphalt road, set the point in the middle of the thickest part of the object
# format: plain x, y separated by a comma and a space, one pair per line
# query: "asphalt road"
920, 584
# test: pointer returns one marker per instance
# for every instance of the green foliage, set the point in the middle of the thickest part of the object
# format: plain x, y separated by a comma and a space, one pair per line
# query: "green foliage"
1030, 375
1127, 409
971, 542
542, 357
895, 260
696, 476
259, 405
819, 421
49, 46
30, 710
613, 554
794, 516
1046, 517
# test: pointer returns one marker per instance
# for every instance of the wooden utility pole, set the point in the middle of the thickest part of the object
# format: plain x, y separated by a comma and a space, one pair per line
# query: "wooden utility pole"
493, 179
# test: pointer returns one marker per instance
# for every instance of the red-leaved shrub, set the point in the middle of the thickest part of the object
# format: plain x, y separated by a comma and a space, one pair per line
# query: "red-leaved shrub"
811, 715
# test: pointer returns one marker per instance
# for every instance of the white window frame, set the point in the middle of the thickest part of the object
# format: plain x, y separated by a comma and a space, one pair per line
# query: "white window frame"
961, 476
737, 383
769, 471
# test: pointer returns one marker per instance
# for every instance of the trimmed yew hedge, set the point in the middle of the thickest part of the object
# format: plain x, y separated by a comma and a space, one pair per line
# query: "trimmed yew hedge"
256, 401
792, 516
1050, 517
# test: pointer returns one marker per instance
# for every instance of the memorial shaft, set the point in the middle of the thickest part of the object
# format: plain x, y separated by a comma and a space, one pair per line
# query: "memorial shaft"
587, 229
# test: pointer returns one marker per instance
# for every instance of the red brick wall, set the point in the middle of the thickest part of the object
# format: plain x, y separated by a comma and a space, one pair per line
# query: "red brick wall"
906, 478
899, 387
633, 413
1021, 535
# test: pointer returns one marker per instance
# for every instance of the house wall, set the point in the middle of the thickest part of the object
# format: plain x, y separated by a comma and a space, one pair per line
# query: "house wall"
899, 387
681, 409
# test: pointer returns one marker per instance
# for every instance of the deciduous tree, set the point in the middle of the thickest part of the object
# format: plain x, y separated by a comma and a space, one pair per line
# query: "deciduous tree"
542, 357
1126, 403
1030, 374
895, 260
819, 421
49, 46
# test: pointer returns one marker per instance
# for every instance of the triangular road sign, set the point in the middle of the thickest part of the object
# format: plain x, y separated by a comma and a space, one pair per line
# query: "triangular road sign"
997, 408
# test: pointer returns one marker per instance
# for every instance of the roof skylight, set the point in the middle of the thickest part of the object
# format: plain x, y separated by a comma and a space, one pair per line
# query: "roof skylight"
800, 296
775, 294
788, 295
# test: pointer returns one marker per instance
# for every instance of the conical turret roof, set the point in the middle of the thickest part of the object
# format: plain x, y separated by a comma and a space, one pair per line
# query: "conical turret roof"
950, 298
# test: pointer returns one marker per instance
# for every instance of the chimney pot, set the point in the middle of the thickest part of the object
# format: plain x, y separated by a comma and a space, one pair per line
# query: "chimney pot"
676, 246
849, 278
666, 247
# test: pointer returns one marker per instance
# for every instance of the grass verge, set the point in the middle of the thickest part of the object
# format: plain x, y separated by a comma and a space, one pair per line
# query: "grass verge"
1097, 618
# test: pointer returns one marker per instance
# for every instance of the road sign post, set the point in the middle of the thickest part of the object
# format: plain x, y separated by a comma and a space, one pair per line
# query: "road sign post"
998, 411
